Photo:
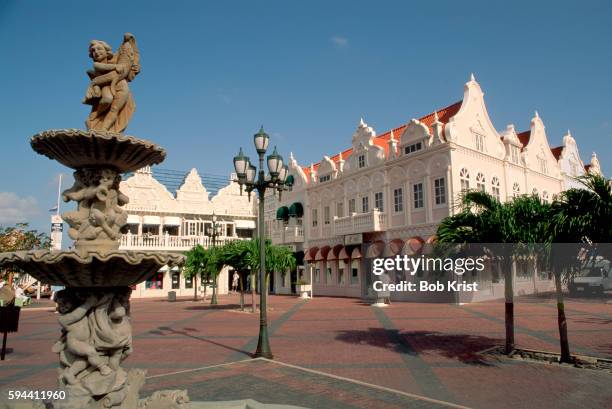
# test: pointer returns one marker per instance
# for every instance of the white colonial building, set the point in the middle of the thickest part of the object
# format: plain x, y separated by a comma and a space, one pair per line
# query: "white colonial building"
387, 193
162, 220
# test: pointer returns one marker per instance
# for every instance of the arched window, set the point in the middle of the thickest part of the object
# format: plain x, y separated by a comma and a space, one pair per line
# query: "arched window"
545, 196
516, 189
464, 176
534, 191
480, 182
495, 187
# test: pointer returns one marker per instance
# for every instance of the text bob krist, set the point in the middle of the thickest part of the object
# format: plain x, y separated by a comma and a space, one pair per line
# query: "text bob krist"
412, 265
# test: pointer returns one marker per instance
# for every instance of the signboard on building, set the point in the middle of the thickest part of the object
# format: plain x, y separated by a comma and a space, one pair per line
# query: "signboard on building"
353, 239
57, 227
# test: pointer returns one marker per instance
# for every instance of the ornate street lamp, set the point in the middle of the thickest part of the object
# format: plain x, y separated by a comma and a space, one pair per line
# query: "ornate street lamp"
276, 181
214, 231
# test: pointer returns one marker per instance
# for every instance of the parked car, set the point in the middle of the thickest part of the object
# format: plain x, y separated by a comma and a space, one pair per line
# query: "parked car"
45, 291
597, 280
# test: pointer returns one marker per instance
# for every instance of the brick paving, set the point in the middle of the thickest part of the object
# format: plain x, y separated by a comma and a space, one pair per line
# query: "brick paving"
426, 350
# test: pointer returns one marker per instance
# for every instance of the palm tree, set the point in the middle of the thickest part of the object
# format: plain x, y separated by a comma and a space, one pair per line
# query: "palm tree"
579, 216
242, 255
245, 254
213, 264
195, 261
284, 259
483, 219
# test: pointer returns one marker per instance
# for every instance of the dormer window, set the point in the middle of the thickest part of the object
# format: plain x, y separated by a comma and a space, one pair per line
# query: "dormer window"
361, 161
324, 178
574, 168
514, 153
479, 141
543, 165
413, 148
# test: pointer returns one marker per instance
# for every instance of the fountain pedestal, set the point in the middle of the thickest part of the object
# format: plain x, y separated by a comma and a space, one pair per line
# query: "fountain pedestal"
96, 332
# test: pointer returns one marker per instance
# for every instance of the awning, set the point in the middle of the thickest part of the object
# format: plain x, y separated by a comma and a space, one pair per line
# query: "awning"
335, 252
175, 268
172, 221
343, 255
296, 210
245, 224
151, 220
322, 254
429, 244
413, 246
310, 254
163, 269
394, 248
133, 219
290, 180
356, 253
375, 249
282, 213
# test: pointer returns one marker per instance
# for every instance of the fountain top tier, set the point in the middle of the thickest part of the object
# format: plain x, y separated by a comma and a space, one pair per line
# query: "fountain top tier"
78, 149
99, 155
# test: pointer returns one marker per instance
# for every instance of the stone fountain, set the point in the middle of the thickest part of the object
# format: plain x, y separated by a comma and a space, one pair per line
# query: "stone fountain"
96, 333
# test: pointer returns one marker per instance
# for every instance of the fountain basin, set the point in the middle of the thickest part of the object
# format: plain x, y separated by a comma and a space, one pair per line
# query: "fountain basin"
77, 148
90, 269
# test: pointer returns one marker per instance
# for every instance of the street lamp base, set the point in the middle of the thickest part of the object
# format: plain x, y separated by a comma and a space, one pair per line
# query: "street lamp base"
260, 354
263, 346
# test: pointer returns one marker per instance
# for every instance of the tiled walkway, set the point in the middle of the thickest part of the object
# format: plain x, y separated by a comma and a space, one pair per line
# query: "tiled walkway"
428, 350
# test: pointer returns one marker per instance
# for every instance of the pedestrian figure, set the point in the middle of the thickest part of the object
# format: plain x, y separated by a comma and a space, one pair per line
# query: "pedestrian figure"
235, 279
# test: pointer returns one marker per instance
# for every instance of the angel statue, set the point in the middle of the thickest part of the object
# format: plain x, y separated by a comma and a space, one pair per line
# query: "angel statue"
108, 92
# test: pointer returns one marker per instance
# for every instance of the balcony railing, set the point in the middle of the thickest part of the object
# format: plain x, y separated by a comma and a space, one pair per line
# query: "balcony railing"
287, 234
360, 223
169, 243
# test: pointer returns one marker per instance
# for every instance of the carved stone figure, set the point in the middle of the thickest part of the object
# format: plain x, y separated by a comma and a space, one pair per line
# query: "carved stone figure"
108, 92
99, 218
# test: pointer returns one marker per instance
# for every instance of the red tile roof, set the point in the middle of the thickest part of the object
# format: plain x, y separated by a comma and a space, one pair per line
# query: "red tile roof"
557, 151
444, 115
524, 137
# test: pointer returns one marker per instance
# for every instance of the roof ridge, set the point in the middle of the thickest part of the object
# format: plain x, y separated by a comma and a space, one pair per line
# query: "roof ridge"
442, 118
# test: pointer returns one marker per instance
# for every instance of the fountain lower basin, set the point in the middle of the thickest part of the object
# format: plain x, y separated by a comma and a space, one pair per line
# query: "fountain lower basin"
86, 269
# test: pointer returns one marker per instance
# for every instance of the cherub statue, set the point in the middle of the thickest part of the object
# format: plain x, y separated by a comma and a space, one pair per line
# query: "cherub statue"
111, 328
83, 191
75, 345
99, 211
108, 91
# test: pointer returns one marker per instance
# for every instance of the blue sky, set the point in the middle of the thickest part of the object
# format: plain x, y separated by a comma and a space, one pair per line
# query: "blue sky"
213, 72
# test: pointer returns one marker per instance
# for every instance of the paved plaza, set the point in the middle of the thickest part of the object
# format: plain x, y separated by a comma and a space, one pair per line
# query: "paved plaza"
343, 353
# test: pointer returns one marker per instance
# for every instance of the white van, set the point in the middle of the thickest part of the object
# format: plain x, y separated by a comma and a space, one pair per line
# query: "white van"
596, 280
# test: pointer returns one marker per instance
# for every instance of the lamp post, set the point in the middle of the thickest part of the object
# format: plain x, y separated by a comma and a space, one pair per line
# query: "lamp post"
276, 180
213, 231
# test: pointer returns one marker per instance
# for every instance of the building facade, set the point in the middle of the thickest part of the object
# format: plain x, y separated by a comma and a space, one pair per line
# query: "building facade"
387, 193
161, 220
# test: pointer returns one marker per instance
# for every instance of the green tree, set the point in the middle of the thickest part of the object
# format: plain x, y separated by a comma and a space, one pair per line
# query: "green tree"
195, 262
578, 216
19, 238
244, 254
281, 260
214, 261
483, 219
